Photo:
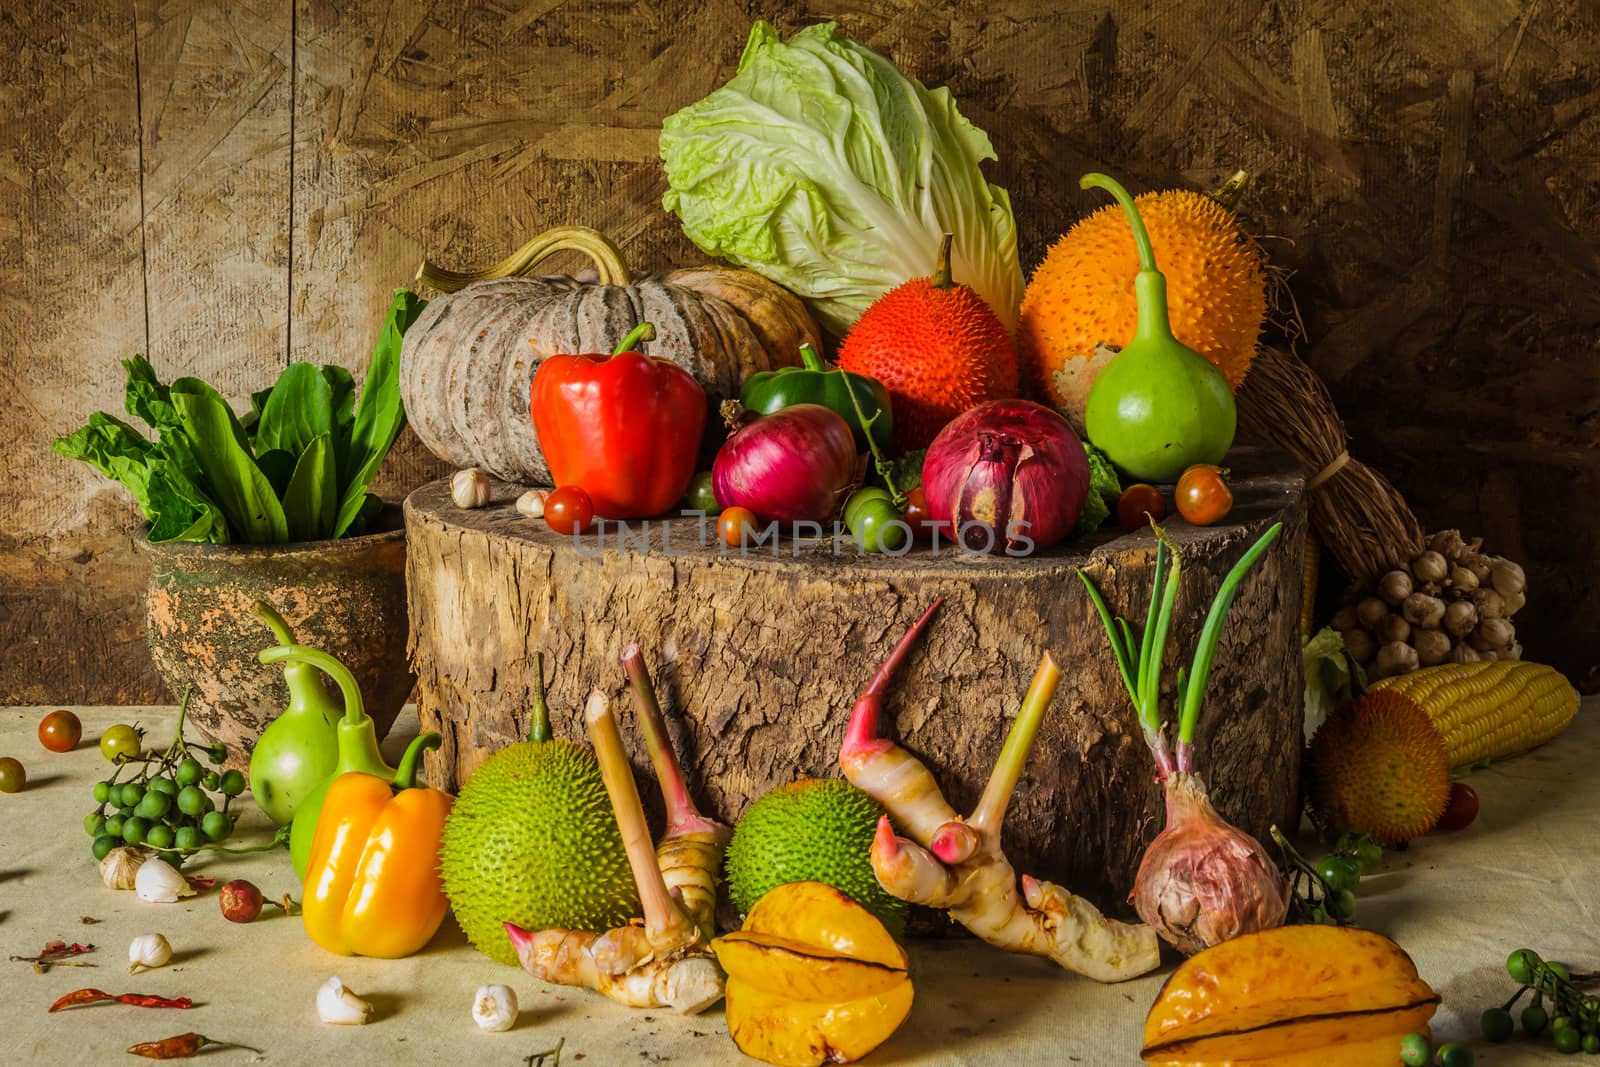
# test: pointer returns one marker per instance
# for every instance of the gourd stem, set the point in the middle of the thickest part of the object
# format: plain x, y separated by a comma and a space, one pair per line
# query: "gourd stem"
605, 255
941, 266
405, 776
1141, 238
355, 711
810, 359
539, 712
269, 615
643, 332
1149, 286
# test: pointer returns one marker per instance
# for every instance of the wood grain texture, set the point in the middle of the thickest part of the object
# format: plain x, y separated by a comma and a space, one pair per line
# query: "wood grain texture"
759, 658
1428, 173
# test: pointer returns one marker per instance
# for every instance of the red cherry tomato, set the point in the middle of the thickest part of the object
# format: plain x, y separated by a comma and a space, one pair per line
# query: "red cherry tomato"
1461, 809
1137, 502
917, 516
59, 731
568, 510
733, 524
1203, 496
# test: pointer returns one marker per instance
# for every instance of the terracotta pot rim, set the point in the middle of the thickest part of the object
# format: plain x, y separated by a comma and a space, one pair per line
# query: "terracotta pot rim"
338, 546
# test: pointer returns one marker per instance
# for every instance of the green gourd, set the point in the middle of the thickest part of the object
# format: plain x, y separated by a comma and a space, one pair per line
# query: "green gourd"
358, 747
300, 748
1159, 406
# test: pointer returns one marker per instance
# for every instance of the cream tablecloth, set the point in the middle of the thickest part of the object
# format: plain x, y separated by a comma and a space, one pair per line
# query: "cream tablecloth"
1527, 873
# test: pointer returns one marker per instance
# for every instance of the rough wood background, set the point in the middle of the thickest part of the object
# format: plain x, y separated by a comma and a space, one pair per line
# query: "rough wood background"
759, 659
229, 186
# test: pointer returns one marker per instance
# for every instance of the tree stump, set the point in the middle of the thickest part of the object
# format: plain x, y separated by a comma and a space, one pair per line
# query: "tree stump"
759, 659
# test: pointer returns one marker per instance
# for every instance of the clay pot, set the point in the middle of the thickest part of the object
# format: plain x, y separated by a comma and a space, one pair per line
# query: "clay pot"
346, 597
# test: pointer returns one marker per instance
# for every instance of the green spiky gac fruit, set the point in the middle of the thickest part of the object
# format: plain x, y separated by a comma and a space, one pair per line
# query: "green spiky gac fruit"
532, 840
937, 348
812, 830
1378, 766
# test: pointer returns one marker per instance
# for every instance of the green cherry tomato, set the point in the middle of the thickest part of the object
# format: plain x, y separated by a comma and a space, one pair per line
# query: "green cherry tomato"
114, 826
94, 824
1415, 1050
162, 785
216, 826
211, 781
130, 793
1342, 904
1591, 1044
1455, 1056
217, 752
153, 805
1368, 854
12, 775
120, 742
232, 784
1568, 1040
191, 801
1340, 873
134, 829
1520, 965
1535, 1019
1496, 1024
701, 497
102, 792
159, 836
875, 521
187, 839
189, 772
103, 846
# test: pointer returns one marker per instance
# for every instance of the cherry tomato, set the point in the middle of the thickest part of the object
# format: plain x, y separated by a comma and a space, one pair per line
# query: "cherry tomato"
1137, 502
120, 742
733, 524
875, 522
568, 510
1203, 496
917, 516
1461, 809
59, 731
12, 776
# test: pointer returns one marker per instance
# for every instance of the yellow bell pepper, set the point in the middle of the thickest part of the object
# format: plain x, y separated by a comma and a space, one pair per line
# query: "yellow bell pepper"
372, 883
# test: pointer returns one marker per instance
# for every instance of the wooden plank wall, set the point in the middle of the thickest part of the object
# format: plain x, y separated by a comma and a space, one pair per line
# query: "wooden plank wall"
230, 186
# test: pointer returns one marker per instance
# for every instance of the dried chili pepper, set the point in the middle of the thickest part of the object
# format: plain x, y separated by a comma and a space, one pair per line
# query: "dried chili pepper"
56, 952
80, 997
182, 1046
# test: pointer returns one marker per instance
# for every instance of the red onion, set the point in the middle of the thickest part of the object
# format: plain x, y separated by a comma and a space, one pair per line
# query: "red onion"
1008, 475
795, 465
1203, 881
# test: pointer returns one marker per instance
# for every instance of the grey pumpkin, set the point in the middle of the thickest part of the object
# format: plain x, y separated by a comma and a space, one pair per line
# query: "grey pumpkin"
467, 363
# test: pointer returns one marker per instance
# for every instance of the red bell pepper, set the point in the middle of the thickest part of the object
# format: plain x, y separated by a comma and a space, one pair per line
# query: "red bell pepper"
625, 428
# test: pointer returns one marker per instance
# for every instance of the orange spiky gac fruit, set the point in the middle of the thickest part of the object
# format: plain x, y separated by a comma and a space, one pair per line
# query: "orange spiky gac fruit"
1079, 308
938, 349
1378, 765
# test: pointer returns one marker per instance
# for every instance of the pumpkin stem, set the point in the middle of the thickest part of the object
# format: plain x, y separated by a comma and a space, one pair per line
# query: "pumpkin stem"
941, 266
1230, 192
642, 332
605, 255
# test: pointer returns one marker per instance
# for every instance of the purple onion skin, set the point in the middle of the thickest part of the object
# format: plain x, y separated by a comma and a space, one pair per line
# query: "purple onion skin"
795, 465
1009, 475
1202, 880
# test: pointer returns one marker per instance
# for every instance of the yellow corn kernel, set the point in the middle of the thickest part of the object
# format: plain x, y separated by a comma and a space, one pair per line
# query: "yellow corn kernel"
1487, 711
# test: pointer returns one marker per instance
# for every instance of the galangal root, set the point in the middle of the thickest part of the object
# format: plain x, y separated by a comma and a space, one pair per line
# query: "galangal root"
665, 961
956, 864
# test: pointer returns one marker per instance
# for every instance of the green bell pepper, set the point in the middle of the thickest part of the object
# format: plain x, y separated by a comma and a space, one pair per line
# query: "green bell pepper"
815, 383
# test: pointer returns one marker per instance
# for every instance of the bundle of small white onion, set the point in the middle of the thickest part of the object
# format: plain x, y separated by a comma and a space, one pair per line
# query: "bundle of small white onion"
1202, 880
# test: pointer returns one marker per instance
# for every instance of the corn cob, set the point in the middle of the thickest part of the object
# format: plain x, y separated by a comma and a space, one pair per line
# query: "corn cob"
1488, 710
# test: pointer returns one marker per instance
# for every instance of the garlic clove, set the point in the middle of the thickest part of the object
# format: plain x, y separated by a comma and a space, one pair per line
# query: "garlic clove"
338, 1006
120, 868
147, 952
531, 503
494, 1008
159, 883
470, 488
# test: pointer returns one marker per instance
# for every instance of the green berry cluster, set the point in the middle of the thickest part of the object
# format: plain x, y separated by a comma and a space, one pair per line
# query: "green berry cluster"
1572, 1019
1326, 892
1417, 1051
162, 801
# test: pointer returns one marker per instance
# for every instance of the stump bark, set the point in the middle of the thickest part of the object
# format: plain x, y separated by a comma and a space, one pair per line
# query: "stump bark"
759, 659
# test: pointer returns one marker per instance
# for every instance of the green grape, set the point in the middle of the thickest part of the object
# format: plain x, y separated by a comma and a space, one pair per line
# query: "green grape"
186, 839
159, 836
1520, 965
1535, 1019
1568, 1040
153, 806
94, 824
1496, 1024
102, 792
134, 829
163, 785
191, 801
211, 781
232, 783
113, 825
130, 794
216, 826
103, 846
1415, 1050
189, 771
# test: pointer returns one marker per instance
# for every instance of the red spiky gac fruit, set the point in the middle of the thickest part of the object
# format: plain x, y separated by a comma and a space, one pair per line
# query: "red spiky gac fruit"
938, 349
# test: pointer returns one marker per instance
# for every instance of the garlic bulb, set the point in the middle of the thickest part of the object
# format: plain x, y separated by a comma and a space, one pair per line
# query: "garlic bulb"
121, 867
531, 503
338, 1006
147, 952
494, 1008
158, 883
470, 488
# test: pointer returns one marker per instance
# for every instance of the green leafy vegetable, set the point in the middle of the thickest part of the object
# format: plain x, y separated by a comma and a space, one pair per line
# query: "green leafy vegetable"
1328, 678
824, 168
295, 467
1104, 489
